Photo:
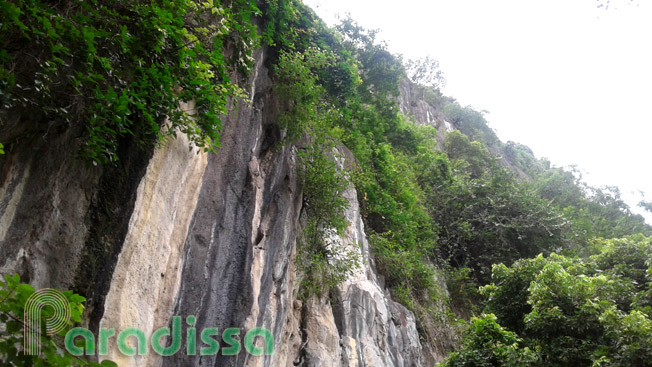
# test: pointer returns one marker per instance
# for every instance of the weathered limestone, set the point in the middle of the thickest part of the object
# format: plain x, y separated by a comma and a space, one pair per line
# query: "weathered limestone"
209, 235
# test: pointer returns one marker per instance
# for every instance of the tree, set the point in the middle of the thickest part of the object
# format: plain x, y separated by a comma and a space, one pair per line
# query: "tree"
647, 205
425, 72
486, 216
487, 344
571, 311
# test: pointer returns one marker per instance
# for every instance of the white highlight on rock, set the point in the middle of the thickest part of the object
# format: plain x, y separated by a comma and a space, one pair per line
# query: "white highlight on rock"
147, 275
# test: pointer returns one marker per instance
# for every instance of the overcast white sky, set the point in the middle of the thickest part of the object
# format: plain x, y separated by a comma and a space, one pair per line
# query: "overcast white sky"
568, 79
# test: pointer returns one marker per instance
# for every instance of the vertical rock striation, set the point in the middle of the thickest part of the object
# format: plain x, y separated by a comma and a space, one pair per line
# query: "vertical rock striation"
169, 231
146, 278
369, 329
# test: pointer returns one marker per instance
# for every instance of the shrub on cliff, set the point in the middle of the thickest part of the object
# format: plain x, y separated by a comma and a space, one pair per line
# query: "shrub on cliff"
121, 68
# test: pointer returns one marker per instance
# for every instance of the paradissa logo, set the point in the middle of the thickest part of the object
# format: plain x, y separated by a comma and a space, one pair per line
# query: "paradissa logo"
61, 317
32, 318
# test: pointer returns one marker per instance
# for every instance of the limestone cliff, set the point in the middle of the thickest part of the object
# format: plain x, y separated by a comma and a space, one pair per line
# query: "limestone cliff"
166, 231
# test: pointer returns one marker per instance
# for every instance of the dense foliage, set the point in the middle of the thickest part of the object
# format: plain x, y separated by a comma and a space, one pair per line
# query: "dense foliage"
566, 311
122, 67
487, 216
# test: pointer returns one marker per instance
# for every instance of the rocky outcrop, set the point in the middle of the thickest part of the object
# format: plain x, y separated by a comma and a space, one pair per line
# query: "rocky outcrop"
412, 104
169, 231
374, 330
44, 201
147, 275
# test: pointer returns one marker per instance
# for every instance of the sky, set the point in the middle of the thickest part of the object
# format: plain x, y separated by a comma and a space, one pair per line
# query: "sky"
571, 79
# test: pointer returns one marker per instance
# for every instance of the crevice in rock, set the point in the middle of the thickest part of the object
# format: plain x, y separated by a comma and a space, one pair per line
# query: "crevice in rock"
109, 217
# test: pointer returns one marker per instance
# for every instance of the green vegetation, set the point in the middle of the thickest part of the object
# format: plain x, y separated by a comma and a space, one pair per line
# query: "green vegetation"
309, 124
471, 123
488, 344
13, 296
486, 216
567, 311
463, 206
121, 68
572, 282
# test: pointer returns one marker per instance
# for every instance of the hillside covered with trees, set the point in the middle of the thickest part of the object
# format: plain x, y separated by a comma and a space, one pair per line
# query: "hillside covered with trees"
540, 268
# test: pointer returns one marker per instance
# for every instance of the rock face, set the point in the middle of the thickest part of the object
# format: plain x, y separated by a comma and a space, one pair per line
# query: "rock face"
147, 275
168, 232
374, 330
412, 104
359, 325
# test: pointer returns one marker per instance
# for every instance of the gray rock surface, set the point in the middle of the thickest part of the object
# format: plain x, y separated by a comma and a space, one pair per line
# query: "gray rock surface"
169, 232
413, 105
